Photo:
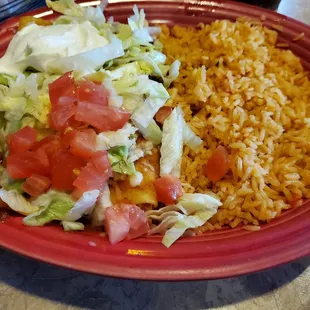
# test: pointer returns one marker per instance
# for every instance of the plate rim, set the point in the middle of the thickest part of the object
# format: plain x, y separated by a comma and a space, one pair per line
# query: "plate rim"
10, 239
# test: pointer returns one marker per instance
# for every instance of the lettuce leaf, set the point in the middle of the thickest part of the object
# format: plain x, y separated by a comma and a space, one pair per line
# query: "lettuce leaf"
17, 202
152, 133
172, 145
145, 112
192, 221
9, 184
51, 196
118, 157
189, 137
56, 210
72, 226
83, 206
122, 137
90, 60
67, 7
192, 211
98, 214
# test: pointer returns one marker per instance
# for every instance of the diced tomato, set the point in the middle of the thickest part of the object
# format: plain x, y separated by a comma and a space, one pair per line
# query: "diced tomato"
23, 165
83, 143
50, 145
36, 185
162, 114
61, 113
62, 87
90, 178
22, 140
138, 222
218, 165
65, 168
92, 93
104, 118
125, 221
116, 225
101, 162
168, 189
74, 124
43, 160
76, 194
67, 137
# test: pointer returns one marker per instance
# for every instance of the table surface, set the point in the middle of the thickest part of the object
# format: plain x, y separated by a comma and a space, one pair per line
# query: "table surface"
31, 285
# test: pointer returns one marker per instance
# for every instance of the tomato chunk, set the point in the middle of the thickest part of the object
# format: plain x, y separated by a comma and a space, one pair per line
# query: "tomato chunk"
22, 140
125, 221
50, 145
101, 162
62, 87
67, 137
91, 92
218, 165
168, 189
104, 118
61, 113
162, 114
83, 143
36, 185
116, 225
23, 165
90, 178
65, 168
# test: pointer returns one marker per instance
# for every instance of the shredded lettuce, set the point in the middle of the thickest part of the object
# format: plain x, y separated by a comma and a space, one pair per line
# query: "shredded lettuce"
51, 196
59, 206
4, 79
83, 206
122, 137
67, 7
144, 113
98, 214
192, 221
118, 157
9, 184
90, 60
192, 211
17, 202
72, 226
152, 133
13, 107
189, 137
191, 203
56, 210
114, 99
172, 145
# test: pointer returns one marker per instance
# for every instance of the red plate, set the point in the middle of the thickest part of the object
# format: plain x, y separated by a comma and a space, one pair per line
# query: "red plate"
218, 254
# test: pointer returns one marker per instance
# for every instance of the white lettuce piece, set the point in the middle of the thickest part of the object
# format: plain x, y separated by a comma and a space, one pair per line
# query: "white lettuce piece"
172, 145
72, 226
152, 133
89, 61
122, 137
17, 202
98, 214
66, 7
192, 221
83, 206
192, 211
144, 113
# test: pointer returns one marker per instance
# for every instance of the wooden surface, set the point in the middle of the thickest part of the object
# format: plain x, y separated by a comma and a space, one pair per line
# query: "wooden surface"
31, 285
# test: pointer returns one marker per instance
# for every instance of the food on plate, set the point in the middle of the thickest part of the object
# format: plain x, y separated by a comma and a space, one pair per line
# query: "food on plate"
141, 130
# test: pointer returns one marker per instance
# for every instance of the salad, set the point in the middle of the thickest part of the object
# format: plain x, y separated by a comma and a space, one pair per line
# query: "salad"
84, 130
